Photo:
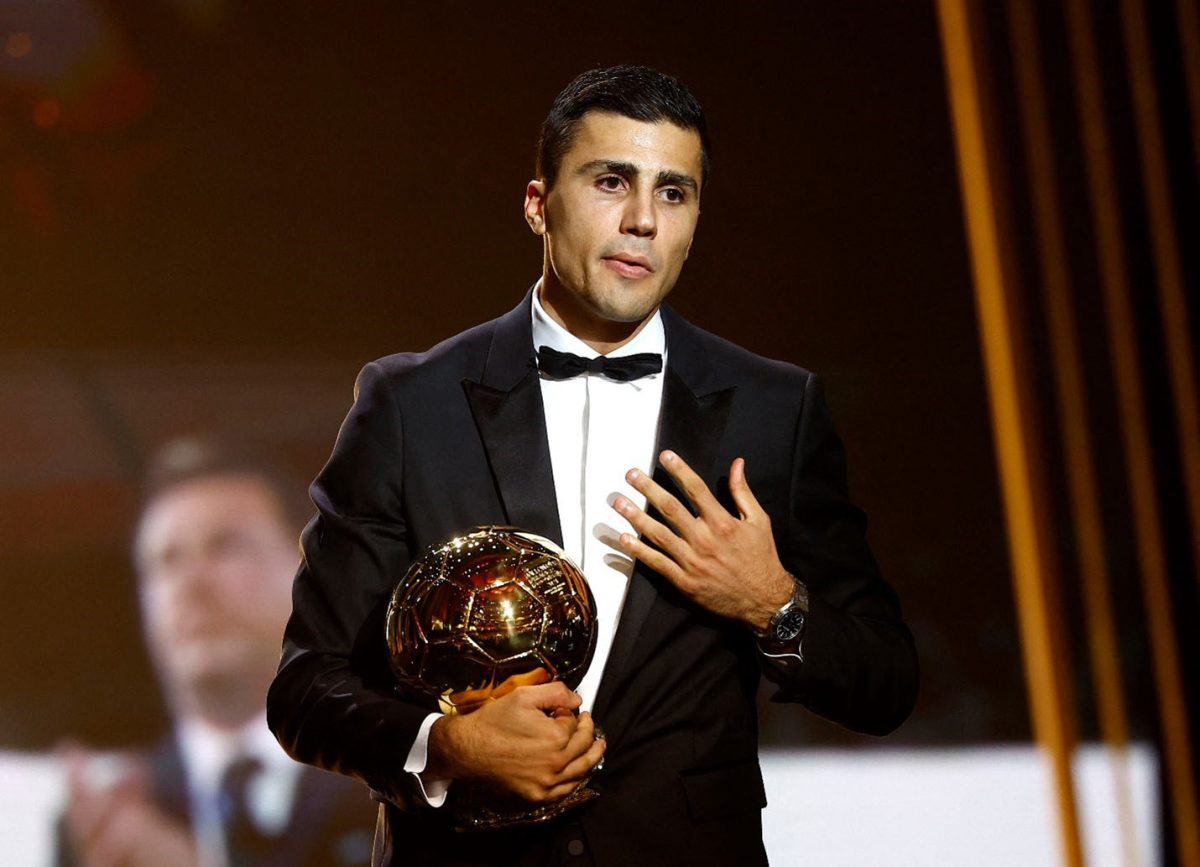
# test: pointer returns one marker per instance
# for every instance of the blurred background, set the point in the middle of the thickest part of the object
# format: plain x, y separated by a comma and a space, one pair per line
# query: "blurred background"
212, 214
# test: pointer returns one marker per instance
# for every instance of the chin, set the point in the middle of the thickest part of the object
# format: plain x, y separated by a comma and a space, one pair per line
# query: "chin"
628, 313
214, 663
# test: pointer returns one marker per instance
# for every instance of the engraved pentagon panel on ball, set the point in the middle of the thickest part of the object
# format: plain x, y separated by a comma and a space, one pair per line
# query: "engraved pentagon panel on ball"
506, 621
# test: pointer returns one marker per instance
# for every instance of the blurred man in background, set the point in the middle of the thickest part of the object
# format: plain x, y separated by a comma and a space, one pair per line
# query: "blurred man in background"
215, 553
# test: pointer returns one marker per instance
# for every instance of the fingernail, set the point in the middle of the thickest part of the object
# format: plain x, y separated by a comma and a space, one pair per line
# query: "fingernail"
668, 456
633, 475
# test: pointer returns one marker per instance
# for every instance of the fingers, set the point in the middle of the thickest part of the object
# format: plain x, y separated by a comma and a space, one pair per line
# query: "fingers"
530, 678
586, 764
89, 815
97, 788
142, 835
550, 696
530, 744
691, 484
116, 840
567, 723
581, 766
652, 557
709, 509
581, 739
578, 769
655, 531
693, 487
668, 506
469, 700
557, 793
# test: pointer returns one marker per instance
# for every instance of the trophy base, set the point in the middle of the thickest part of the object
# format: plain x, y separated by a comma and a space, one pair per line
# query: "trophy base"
486, 811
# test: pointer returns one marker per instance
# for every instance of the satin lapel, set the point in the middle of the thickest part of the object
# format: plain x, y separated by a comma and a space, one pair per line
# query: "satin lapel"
507, 406
512, 426
692, 427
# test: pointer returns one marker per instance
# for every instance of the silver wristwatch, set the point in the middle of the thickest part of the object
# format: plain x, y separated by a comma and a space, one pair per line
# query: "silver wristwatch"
786, 625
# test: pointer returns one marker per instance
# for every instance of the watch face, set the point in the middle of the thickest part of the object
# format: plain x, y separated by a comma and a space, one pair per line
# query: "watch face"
789, 626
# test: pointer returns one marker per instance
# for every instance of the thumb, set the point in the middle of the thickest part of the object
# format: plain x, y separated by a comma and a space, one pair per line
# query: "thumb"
743, 497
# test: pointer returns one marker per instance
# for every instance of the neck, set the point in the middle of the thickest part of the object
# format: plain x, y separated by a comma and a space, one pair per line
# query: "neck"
222, 706
602, 335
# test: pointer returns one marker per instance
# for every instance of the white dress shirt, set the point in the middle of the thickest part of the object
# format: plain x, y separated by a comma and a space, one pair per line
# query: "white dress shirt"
207, 752
598, 430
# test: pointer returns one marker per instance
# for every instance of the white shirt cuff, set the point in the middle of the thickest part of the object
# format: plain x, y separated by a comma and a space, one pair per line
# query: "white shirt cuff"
433, 791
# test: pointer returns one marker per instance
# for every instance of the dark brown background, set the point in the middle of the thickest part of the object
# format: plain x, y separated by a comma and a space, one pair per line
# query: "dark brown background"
236, 205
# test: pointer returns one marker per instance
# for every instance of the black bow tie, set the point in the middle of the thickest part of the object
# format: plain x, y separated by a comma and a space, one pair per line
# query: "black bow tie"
564, 365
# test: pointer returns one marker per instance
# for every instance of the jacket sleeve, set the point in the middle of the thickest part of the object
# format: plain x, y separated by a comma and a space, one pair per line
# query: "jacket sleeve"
857, 664
333, 703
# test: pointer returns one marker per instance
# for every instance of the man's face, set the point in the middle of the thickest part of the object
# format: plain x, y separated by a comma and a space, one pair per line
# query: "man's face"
215, 562
618, 223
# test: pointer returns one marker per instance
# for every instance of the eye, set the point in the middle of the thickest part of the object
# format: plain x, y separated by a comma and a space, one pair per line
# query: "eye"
610, 182
674, 195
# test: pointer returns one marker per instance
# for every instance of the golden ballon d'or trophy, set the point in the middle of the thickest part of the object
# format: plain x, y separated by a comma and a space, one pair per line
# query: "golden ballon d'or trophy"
478, 615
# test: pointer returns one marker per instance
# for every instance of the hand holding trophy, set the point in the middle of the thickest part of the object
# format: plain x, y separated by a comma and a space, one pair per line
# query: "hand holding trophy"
479, 615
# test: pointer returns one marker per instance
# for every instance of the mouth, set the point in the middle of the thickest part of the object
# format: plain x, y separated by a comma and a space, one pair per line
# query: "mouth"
628, 265
199, 628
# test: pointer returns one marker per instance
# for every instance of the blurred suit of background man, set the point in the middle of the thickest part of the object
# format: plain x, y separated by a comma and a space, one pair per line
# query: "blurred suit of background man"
215, 552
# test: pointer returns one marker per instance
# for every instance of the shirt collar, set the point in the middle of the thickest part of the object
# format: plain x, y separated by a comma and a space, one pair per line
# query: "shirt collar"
207, 750
547, 332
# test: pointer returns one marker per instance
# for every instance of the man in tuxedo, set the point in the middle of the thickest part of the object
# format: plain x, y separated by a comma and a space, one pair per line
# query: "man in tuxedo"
700, 487
215, 555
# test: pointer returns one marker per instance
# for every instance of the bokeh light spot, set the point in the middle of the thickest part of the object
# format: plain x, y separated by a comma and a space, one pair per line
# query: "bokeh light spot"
18, 45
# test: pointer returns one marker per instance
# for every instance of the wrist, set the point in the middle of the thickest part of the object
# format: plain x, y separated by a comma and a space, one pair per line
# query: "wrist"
447, 745
785, 627
778, 595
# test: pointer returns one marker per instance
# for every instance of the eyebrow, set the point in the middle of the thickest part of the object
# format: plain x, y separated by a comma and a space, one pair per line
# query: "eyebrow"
629, 170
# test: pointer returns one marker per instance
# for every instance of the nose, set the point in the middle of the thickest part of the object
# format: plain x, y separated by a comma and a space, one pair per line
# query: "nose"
640, 218
192, 577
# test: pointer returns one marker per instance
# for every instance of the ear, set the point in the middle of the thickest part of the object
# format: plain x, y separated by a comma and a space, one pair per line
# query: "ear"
535, 206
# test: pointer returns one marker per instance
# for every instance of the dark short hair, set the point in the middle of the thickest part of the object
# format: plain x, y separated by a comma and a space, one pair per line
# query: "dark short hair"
193, 458
636, 92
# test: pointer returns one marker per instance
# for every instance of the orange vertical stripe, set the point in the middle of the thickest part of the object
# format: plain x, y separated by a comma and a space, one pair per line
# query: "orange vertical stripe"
1164, 242
1139, 464
1030, 562
1070, 389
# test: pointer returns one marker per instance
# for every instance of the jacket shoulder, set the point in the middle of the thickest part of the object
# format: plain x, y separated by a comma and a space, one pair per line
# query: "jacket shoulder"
454, 351
741, 364
450, 361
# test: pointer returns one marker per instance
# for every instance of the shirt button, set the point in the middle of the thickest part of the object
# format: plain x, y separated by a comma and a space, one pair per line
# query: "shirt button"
575, 847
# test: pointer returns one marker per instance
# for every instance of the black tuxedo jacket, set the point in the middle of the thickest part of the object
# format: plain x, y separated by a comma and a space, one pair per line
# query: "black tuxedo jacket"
330, 825
440, 441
